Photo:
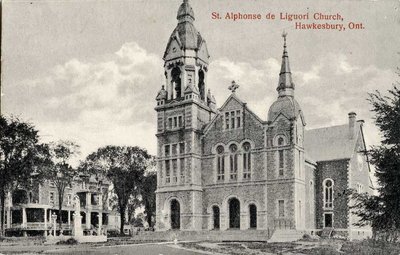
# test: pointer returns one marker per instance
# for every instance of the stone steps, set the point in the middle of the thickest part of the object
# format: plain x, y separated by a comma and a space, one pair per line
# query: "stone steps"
286, 235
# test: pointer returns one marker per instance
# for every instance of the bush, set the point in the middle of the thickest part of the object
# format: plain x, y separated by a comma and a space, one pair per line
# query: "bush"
113, 233
69, 241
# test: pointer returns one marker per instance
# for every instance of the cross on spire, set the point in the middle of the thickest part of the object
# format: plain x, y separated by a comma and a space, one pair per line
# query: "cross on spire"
233, 87
284, 35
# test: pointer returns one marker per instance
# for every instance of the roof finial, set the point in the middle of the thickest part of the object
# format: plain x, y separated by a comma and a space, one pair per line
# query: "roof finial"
284, 35
233, 87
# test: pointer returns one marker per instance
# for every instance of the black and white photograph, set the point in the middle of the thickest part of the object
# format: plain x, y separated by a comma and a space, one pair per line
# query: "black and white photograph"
200, 127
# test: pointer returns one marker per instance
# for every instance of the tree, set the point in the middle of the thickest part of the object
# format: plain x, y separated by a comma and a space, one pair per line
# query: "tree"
382, 210
133, 203
62, 173
124, 167
22, 157
148, 189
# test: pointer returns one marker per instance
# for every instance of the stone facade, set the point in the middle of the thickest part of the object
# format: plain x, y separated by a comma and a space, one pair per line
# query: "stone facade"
226, 168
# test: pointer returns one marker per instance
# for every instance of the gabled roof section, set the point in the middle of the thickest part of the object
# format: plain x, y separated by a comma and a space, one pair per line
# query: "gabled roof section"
330, 143
231, 98
234, 97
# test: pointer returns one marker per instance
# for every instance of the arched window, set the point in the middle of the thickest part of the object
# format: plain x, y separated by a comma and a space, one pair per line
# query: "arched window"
253, 216
175, 214
233, 158
328, 193
176, 82
281, 141
246, 160
220, 163
201, 85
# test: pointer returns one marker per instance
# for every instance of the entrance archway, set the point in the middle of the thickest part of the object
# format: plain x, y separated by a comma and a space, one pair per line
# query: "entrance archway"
216, 214
234, 213
253, 216
175, 215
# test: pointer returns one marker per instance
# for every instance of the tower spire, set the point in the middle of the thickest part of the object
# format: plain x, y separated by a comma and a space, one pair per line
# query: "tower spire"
286, 85
185, 12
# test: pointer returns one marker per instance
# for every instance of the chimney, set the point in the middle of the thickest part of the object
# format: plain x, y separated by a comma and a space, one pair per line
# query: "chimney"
352, 124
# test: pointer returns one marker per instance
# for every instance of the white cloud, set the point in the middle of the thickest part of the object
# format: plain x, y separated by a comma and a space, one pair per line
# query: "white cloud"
112, 101
327, 90
97, 103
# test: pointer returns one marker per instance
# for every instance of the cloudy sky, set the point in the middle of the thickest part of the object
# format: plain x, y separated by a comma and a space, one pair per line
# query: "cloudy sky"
89, 71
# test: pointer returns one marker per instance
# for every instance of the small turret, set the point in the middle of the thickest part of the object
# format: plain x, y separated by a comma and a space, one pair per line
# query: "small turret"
211, 100
161, 96
191, 92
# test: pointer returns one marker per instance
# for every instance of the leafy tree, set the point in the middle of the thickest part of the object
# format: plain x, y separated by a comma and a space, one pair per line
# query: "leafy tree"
133, 203
382, 210
124, 167
22, 157
62, 173
148, 189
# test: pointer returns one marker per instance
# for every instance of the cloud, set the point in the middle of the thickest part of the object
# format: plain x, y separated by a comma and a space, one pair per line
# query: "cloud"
95, 103
112, 101
327, 90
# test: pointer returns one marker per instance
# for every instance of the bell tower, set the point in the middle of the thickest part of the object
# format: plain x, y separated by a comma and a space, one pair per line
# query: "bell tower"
285, 152
186, 57
184, 106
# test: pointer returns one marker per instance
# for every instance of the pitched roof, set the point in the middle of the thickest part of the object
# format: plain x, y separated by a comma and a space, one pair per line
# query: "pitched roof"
233, 96
330, 143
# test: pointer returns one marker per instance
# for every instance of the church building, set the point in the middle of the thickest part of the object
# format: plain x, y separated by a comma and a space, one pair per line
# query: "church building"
227, 168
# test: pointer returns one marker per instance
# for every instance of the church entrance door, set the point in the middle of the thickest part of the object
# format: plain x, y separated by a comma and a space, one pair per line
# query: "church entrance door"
216, 217
175, 215
234, 213
253, 216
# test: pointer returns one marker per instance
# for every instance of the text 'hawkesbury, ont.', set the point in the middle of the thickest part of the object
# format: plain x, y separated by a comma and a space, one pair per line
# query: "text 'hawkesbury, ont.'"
301, 21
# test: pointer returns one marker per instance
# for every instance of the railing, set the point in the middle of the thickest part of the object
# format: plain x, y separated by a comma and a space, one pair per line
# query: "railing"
283, 224
40, 226
30, 225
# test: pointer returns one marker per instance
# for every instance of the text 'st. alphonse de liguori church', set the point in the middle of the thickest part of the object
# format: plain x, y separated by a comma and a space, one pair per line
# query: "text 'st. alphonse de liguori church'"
226, 168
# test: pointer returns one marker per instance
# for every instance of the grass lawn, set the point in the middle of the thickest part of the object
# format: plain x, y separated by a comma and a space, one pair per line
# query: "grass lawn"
316, 247
322, 247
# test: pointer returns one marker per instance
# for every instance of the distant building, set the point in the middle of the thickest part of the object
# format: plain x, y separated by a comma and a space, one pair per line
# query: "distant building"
227, 168
29, 211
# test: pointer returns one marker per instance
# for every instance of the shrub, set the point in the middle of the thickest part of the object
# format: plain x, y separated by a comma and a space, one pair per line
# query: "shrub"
69, 241
113, 233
